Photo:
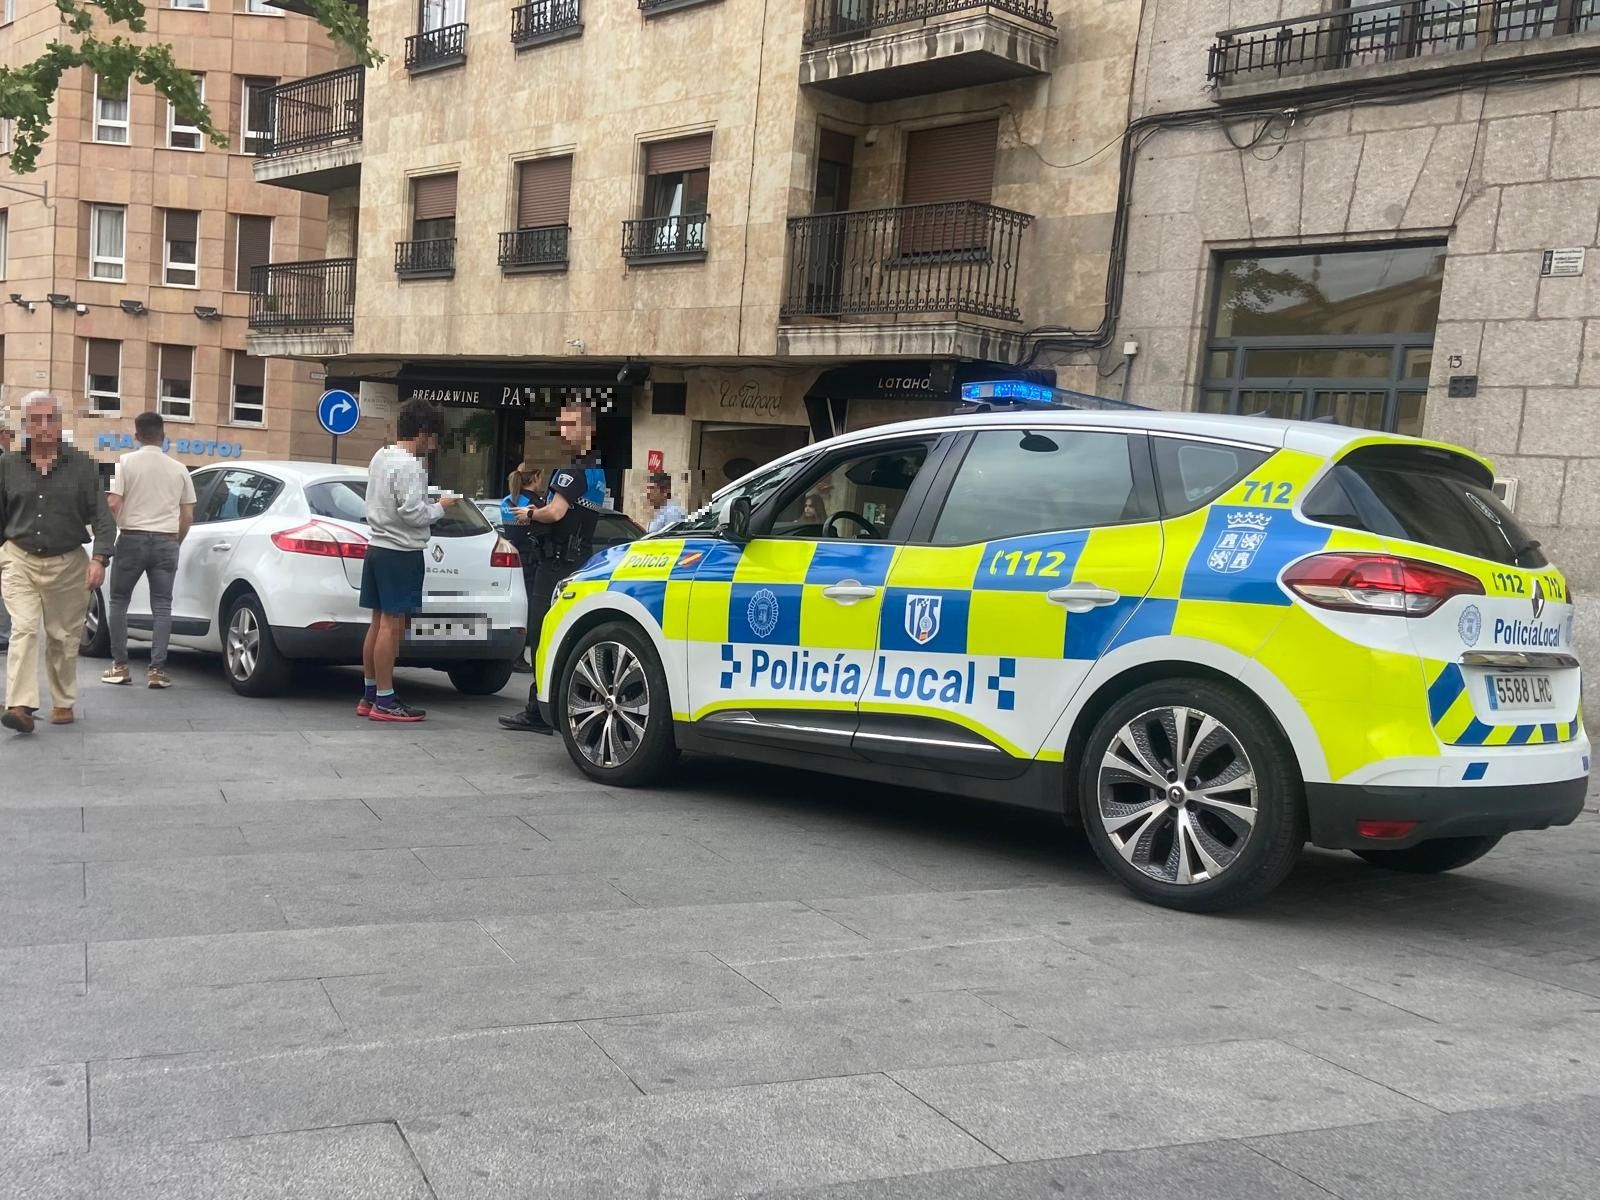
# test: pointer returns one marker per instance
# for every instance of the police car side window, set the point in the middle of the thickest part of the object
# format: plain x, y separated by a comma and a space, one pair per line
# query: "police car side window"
858, 497
1016, 481
1190, 473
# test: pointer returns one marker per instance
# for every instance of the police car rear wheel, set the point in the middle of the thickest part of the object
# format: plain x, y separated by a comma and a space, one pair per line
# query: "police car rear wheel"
614, 716
1433, 856
1190, 798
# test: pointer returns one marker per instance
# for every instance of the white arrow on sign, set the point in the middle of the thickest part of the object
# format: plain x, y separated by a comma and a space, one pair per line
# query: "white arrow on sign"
340, 407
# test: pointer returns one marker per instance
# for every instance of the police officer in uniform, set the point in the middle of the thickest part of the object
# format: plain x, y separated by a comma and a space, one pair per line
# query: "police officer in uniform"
563, 538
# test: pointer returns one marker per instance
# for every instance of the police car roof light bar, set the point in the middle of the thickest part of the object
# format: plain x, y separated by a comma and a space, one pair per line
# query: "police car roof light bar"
1014, 395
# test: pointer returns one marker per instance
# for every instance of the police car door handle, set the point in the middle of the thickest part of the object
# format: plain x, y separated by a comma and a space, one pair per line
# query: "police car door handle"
849, 593
1081, 597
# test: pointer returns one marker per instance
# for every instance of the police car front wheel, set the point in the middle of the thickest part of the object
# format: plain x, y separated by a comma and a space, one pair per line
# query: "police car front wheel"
614, 713
1190, 798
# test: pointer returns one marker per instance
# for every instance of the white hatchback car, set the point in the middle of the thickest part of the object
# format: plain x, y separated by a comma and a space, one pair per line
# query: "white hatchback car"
271, 574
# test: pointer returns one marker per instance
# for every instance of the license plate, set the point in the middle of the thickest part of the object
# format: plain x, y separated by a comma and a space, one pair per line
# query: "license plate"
1519, 691
448, 629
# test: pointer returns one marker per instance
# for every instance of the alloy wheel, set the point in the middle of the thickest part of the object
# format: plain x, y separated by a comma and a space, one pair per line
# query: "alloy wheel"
608, 704
244, 643
1177, 795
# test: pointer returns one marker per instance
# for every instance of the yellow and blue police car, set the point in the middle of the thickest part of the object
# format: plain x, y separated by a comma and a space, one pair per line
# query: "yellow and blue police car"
1208, 639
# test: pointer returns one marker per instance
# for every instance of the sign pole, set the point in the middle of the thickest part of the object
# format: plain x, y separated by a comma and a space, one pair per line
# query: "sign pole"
333, 455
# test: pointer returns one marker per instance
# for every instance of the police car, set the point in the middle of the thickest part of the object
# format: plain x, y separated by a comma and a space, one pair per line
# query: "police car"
1207, 639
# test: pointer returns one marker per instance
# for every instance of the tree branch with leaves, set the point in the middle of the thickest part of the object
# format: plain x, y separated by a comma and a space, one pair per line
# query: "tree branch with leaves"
28, 92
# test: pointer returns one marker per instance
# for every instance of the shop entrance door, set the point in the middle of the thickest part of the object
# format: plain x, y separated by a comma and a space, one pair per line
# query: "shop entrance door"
825, 270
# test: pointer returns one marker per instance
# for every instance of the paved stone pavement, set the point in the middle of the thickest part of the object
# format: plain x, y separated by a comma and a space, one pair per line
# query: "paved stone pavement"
259, 949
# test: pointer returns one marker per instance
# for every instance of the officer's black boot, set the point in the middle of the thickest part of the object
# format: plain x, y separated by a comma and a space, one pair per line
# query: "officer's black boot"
526, 720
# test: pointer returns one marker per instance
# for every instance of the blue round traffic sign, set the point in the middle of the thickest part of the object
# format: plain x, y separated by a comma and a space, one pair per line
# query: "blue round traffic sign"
338, 411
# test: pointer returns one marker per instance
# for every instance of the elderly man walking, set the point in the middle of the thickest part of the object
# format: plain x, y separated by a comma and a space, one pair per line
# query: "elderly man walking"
49, 497
6, 437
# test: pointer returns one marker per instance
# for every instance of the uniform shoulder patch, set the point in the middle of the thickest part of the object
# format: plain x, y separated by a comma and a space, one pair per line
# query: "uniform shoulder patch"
564, 478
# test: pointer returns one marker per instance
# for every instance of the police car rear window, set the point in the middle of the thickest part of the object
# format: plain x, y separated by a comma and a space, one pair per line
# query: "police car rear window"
1422, 497
346, 500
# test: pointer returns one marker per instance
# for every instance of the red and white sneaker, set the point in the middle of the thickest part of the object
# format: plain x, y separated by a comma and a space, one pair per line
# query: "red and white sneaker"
394, 710
363, 707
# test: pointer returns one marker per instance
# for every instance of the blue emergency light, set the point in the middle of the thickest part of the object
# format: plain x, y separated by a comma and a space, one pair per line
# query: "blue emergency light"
1013, 395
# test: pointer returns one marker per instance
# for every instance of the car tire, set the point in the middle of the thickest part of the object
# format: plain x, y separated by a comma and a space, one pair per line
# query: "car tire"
250, 657
95, 641
1223, 836
1434, 855
483, 678
627, 742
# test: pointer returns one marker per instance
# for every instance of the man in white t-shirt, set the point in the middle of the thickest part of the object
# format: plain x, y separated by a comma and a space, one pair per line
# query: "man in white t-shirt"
152, 498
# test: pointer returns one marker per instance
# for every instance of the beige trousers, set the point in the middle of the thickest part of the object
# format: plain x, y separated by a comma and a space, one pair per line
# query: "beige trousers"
48, 598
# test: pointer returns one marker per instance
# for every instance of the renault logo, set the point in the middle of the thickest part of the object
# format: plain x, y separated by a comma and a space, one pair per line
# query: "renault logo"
438, 556
1538, 599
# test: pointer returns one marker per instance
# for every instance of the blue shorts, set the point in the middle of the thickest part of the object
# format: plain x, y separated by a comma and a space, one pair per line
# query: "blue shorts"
391, 581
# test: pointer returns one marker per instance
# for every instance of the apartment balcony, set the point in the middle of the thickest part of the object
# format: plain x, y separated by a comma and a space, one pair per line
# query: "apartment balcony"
303, 309
436, 49
429, 258
665, 239
886, 49
920, 279
1438, 38
315, 125
539, 22
530, 251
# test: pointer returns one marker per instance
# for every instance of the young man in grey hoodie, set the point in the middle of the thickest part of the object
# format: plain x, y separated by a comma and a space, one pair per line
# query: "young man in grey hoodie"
400, 516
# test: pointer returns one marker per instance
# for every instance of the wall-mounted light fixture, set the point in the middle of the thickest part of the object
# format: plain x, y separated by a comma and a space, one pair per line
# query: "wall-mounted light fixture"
25, 305
59, 300
206, 313
134, 308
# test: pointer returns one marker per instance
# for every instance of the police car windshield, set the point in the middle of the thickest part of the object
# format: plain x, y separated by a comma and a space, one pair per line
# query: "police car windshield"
346, 500
707, 519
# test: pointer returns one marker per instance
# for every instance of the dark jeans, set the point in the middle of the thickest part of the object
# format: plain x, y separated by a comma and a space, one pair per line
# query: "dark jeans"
541, 583
154, 555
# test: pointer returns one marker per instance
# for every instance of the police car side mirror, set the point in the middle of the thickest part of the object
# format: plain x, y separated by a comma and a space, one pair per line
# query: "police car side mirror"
736, 525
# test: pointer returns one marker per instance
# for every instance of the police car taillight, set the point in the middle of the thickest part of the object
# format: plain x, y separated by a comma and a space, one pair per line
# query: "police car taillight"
322, 540
504, 554
1378, 584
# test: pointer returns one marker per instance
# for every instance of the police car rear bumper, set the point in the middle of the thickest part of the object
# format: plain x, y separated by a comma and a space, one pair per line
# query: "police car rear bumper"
1337, 811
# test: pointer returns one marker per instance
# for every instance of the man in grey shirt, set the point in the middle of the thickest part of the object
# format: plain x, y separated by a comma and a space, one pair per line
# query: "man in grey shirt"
6, 436
401, 519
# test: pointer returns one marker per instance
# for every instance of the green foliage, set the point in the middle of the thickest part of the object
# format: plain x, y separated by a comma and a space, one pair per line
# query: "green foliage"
28, 91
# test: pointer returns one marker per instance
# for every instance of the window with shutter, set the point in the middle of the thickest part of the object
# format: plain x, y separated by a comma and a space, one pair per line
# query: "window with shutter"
253, 248
181, 135
180, 263
944, 167
175, 397
255, 114
544, 192
677, 192
103, 375
433, 207
249, 401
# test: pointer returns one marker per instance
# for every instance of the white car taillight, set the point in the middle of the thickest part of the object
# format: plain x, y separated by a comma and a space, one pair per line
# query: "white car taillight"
1378, 584
504, 554
322, 540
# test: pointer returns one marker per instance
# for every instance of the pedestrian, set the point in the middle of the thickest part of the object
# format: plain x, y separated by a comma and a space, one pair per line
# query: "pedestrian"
6, 436
400, 516
521, 494
666, 510
152, 498
50, 496
563, 532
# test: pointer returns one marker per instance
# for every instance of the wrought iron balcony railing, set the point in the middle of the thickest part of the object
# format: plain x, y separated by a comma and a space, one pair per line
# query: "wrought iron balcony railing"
663, 238
317, 111
432, 48
303, 295
545, 246
827, 19
541, 20
430, 258
957, 258
1380, 33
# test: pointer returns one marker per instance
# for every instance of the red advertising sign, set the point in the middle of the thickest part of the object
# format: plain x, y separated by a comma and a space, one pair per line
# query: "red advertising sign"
653, 460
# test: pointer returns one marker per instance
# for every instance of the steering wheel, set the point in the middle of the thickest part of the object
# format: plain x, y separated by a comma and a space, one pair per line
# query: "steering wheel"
872, 530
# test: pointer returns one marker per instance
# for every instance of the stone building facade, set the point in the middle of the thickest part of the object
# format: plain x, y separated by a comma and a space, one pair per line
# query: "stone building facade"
1461, 151
126, 261
733, 199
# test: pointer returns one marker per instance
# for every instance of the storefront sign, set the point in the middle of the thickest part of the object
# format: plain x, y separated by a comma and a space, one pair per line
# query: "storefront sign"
196, 447
751, 397
497, 395
889, 381
654, 460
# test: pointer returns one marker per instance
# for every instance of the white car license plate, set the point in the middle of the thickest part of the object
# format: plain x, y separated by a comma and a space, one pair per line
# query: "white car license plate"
449, 629
1519, 691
